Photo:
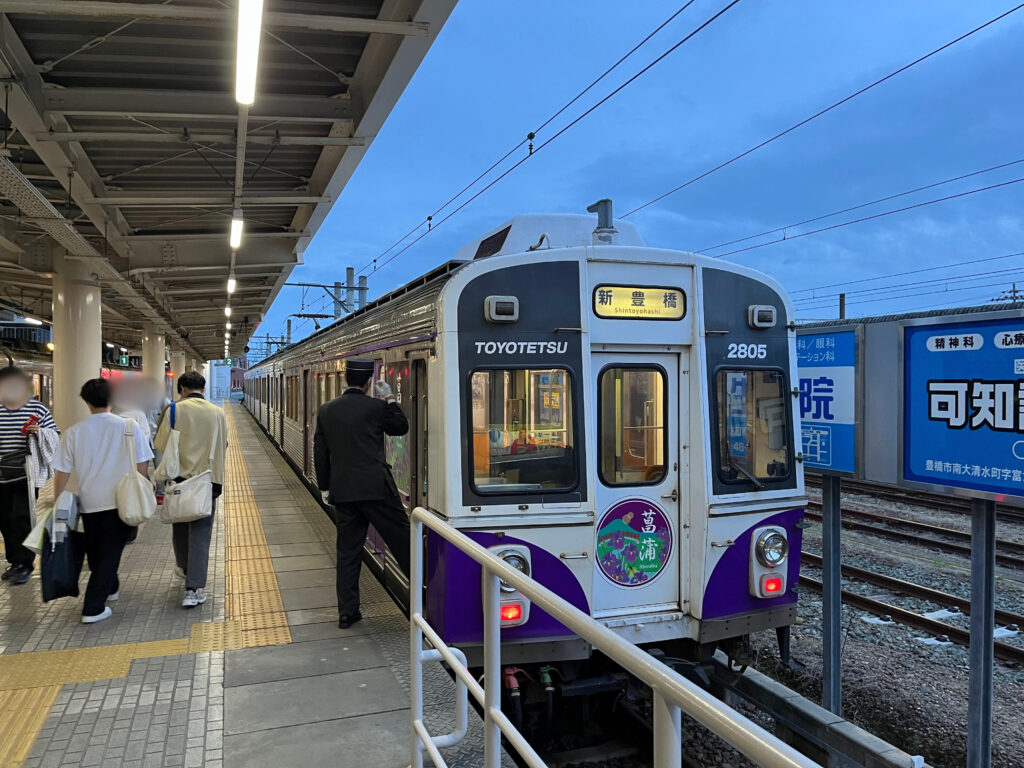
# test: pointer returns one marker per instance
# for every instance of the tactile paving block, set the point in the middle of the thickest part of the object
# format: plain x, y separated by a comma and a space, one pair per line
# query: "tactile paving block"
264, 621
252, 565
240, 583
25, 711
269, 636
254, 602
215, 636
247, 552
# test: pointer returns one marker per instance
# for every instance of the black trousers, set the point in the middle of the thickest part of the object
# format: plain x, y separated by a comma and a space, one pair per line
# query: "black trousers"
16, 522
105, 537
352, 519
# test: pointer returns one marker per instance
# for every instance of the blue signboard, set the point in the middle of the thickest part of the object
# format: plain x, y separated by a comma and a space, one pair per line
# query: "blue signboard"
827, 365
963, 405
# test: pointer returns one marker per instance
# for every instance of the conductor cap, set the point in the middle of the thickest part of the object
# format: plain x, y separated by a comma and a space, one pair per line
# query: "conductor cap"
359, 364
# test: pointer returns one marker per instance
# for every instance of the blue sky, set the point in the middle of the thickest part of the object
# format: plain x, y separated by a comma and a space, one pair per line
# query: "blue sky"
498, 70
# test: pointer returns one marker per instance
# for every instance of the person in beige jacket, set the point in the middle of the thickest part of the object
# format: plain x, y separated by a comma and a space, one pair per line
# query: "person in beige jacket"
200, 425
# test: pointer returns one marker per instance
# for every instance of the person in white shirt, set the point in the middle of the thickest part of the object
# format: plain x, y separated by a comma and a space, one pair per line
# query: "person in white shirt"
95, 450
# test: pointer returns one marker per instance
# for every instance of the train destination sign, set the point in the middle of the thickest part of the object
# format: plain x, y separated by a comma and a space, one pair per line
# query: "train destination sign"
963, 405
827, 365
639, 302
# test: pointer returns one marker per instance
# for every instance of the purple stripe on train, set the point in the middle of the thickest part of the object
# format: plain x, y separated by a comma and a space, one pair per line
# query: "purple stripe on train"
728, 592
455, 591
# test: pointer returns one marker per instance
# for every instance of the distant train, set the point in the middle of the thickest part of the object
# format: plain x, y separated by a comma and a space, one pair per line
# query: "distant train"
617, 421
39, 365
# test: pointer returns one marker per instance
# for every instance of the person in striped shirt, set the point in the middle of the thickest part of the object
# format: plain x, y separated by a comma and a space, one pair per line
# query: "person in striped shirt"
20, 416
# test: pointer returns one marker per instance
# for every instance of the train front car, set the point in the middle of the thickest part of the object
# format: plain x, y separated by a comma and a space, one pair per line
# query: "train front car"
618, 422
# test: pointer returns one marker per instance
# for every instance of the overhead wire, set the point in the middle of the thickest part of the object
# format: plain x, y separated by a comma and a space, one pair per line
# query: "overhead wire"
528, 139
824, 111
861, 205
908, 272
870, 218
920, 293
562, 130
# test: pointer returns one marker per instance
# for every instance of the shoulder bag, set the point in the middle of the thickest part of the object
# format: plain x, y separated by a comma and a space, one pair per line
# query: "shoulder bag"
190, 499
170, 463
136, 498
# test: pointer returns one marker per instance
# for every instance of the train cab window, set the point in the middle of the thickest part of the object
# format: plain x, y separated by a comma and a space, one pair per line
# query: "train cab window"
522, 430
632, 429
753, 427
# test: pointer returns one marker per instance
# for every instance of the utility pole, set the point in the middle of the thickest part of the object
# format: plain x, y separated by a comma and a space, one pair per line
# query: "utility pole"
842, 306
289, 326
1013, 294
337, 299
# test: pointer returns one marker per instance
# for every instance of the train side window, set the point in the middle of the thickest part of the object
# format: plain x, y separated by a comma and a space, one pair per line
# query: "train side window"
753, 445
633, 412
522, 430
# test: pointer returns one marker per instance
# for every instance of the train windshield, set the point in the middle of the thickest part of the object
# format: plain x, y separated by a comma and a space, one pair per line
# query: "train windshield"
522, 430
753, 427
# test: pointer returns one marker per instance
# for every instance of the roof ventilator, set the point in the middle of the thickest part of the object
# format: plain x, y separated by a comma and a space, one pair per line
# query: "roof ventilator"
606, 231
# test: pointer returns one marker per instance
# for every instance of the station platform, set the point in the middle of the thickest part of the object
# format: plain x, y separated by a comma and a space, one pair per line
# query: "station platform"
260, 675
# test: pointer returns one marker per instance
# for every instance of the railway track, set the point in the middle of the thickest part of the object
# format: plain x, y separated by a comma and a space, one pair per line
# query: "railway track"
910, 589
1009, 553
938, 501
956, 634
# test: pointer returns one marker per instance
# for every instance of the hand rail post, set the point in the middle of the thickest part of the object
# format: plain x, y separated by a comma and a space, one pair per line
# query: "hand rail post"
668, 736
415, 639
492, 669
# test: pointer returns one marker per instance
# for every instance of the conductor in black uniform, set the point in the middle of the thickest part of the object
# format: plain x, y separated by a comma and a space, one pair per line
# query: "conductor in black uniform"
349, 454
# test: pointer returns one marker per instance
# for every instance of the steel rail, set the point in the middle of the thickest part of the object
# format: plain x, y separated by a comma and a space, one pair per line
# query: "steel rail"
909, 618
911, 589
1007, 560
937, 501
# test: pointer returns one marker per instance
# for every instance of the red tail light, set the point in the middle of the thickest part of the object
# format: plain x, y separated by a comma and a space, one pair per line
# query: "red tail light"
773, 585
511, 612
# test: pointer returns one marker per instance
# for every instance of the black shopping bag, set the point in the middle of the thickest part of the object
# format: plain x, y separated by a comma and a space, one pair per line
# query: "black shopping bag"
62, 565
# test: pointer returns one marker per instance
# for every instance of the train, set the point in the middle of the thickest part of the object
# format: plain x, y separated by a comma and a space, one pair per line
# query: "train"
615, 420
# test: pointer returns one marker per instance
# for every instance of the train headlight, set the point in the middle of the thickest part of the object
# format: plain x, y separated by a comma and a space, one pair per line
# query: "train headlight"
518, 562
772, 549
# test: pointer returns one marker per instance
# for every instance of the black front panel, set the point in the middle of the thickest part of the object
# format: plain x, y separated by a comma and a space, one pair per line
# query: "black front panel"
545, 337
733, 345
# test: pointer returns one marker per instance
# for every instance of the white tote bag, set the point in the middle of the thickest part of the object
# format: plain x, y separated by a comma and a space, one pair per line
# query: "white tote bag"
191, 499
136, 498
170, 463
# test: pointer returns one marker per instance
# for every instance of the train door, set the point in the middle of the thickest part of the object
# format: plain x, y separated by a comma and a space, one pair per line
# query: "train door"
639, 494
280, 409
307, 409
419, 426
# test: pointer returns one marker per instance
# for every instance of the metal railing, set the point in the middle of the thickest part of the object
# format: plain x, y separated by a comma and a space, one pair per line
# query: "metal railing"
673, 693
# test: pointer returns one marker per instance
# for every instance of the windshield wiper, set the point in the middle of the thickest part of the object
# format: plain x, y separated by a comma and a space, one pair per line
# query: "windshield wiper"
752, 478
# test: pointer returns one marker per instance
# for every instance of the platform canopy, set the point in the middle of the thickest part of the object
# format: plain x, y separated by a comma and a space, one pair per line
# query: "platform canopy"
124, 146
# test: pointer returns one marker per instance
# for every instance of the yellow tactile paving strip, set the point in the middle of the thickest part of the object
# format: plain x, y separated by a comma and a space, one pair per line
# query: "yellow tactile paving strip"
30, 682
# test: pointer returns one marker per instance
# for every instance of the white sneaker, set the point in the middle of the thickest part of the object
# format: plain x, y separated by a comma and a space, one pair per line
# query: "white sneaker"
179, 572
193, 597
107, 613
114, 597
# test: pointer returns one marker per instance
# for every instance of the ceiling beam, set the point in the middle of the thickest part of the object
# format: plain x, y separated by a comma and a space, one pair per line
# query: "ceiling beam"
190, 105
218, 236
220, 16
167, 255
143, 137
143, 199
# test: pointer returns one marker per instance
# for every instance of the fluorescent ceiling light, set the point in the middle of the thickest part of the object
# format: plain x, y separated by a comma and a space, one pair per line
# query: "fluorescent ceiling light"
124, 349
250, 22
32, 320
232, 283
109, 345
227, 311
235, 238
228, 325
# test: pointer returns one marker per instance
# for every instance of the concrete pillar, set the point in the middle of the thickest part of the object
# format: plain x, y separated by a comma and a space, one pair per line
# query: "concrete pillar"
77, 337
153, 353
177, 368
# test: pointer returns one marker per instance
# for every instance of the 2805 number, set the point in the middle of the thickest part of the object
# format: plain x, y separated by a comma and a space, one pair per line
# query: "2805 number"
748, 351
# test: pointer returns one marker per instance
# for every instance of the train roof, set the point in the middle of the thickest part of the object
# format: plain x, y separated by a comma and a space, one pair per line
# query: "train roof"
984, 308
434, 276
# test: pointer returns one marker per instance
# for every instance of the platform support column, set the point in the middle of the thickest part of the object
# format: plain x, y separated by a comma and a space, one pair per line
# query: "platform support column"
177, 368
831, 595
77, 337
983, 589
153, 353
